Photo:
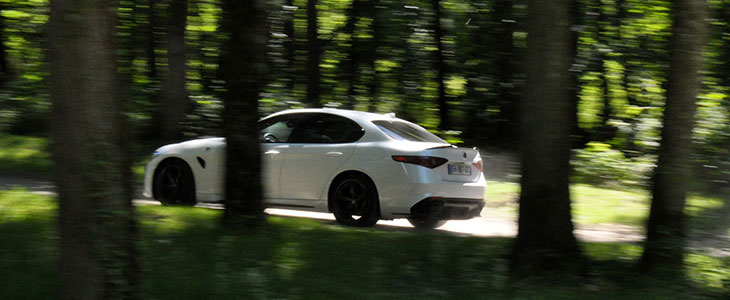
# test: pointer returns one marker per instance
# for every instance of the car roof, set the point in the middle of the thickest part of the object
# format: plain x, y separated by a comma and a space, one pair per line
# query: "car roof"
352, 114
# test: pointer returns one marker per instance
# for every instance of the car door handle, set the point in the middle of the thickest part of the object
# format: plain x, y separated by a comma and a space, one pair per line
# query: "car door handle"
334, 154
271, 152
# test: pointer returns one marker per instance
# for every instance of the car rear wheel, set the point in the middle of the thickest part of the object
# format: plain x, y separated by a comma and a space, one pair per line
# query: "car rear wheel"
356, 202
426, 223
174, 183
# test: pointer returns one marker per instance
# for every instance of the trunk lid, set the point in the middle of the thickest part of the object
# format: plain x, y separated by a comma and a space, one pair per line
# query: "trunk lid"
464, 165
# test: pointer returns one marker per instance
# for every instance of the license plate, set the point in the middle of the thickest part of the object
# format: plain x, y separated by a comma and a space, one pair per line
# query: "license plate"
459, 169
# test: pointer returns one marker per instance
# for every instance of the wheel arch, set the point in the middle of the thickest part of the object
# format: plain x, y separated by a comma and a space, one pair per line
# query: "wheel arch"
170, 159
343, 175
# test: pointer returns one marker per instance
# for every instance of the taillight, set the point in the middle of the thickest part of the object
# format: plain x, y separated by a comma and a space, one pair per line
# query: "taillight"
425, 161
478, 165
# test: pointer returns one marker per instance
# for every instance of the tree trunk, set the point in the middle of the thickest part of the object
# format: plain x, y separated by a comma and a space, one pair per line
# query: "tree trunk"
151, 44
290, 47
545, 237
4, 71
375, 42
440, 66
508, 103
664, 247
175, 102
243, 67
96, 219
352, 62
314, 49
577, 134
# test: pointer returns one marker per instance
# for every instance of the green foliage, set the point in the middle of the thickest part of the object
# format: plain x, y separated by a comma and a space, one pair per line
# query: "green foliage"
599, 164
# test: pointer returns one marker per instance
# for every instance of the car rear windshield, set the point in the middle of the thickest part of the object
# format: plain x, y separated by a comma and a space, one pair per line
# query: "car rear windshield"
403, 131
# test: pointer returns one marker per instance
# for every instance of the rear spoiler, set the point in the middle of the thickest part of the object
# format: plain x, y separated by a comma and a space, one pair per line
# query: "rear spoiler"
444, 146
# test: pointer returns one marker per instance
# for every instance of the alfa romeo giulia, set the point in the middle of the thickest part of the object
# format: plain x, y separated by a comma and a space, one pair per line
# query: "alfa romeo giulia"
360, 166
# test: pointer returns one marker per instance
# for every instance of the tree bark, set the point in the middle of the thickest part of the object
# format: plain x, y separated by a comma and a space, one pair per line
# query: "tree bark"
96, 219
290, 47
242, 67
664, 247
352, 62
4, 69
440, 66
175, 102
545, 236
151, 44
314, 51
508, 102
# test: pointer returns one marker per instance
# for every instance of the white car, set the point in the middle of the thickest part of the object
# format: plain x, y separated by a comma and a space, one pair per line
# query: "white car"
360, 166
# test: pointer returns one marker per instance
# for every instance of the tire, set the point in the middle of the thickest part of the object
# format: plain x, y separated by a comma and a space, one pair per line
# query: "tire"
426, 223
355, 201
174, 184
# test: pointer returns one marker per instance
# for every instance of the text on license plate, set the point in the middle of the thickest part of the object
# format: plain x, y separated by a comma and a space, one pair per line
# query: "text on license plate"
459, 168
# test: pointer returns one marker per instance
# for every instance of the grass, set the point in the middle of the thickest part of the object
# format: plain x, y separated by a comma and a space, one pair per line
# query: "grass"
24, 155
593, 205
184, 254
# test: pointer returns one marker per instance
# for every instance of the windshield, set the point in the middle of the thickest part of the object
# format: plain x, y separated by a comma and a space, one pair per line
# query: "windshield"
404, 131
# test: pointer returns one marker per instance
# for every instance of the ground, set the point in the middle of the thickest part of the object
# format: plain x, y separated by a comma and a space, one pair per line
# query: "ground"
498, 219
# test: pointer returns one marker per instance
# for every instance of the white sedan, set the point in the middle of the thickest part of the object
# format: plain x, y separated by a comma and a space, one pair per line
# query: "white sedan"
360, 166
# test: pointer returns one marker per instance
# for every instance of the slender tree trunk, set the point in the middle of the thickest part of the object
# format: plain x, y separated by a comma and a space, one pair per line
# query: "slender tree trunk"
664, 247
377, 31
314, 45
351, 66
290, 47
4, 69
175, 102
96, 219
508, 102
151, 44
243, 67
440, 66
577, 135
545, 236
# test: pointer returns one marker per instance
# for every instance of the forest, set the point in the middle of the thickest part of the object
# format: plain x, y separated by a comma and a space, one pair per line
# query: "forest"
621, 95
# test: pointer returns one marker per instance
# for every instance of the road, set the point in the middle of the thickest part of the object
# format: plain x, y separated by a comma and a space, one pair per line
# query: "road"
485, 226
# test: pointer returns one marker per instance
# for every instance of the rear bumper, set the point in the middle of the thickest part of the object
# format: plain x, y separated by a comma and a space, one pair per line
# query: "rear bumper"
447, 208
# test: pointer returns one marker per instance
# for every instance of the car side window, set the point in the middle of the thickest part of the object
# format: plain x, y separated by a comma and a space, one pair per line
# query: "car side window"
328, 129
278, 129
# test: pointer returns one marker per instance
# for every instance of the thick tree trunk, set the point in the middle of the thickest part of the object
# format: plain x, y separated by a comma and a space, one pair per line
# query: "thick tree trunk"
96, 220
314, 51
175, 102
242, 67
440, 66
664, 247
545, 236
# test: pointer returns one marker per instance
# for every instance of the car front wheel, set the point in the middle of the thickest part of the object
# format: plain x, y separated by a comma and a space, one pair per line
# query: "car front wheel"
174, 183
356, 202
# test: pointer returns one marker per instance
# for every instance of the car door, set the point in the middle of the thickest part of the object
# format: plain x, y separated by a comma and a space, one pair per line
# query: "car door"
320, 145
274, 136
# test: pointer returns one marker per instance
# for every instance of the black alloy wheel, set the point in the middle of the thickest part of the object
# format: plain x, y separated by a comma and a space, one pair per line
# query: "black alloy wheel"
356, 202
174, 184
